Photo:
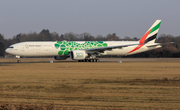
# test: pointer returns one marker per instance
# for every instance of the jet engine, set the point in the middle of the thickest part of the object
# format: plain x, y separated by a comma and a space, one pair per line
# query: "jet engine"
60, 57
78, 54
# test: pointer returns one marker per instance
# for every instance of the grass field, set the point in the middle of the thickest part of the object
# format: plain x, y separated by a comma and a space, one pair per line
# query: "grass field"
102, 85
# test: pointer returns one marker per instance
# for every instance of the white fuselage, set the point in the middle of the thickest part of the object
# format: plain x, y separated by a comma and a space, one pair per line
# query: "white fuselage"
51, 48
87, 49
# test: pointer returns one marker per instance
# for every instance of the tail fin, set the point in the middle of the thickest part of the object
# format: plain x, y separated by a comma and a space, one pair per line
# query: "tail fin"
150, 35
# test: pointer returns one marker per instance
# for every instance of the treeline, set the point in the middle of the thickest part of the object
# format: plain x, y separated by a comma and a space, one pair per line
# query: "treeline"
172, 50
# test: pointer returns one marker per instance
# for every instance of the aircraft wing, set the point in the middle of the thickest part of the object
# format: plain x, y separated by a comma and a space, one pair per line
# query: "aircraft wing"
102, 49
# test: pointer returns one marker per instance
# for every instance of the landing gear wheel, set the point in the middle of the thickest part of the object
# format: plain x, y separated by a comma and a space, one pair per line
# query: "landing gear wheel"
89, 60
19, 61
92, 60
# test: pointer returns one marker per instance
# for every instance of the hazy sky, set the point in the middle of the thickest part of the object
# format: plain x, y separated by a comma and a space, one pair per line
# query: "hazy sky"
124, 17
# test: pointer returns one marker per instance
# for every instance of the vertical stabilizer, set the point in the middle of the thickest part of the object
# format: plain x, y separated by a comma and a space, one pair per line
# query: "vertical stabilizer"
150, 35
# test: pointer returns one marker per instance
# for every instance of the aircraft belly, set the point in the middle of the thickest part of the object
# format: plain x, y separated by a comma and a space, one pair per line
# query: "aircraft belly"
116, 52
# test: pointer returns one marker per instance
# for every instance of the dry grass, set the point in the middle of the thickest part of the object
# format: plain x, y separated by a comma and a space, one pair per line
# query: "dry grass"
103, 85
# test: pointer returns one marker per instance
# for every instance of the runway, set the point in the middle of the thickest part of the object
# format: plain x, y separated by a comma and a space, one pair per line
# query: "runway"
46, 60
138, 59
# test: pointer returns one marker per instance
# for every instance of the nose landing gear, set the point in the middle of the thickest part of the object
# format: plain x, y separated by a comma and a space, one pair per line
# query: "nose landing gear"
18, 61
18, 57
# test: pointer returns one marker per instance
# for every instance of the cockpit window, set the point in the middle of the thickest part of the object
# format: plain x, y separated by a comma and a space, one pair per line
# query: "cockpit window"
11, 47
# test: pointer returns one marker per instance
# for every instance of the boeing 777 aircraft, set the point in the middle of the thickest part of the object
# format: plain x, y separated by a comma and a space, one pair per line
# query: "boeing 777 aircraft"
86, 51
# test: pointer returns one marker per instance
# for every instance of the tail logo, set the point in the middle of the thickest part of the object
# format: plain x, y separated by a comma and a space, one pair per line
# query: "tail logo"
150, 35
141, 42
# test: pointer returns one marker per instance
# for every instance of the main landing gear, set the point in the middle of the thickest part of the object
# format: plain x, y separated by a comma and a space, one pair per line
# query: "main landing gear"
89, 60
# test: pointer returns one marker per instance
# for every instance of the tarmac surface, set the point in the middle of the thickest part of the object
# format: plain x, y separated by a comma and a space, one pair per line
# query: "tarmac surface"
138, 59
47, 60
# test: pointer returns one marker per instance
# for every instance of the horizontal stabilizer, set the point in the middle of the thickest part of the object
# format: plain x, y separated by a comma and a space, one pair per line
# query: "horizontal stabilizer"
156, 44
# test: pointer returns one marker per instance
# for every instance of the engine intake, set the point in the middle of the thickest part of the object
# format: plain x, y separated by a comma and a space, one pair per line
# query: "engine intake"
60, 57
78, 54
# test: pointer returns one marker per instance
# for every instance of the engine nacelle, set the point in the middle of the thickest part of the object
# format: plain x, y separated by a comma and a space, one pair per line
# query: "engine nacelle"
78, 54
60, 57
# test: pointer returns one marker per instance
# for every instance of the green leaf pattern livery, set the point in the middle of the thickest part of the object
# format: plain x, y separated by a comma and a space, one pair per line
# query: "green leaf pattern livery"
66, 46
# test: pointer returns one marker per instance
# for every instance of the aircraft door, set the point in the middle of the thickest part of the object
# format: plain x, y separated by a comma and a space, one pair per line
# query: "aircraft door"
39, 49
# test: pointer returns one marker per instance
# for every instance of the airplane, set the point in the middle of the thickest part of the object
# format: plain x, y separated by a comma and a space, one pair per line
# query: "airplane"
86, 51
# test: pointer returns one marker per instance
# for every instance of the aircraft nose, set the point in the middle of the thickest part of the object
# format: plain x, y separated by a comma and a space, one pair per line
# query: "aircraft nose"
10, 49
7, 50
